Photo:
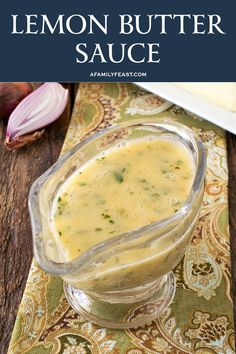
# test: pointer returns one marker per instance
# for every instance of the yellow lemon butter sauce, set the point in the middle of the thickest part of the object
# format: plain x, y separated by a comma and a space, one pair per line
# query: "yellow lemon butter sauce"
122, 189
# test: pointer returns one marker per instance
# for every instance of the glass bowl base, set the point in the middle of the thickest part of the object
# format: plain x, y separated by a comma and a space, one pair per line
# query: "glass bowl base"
123, 314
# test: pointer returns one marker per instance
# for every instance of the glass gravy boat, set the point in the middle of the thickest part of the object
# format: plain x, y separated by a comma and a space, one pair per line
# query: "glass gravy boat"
128, 294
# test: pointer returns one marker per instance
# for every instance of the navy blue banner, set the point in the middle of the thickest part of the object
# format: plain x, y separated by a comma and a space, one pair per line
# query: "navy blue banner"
125, 40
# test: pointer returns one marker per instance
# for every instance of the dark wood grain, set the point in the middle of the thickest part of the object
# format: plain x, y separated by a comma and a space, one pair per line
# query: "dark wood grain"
231, 148
18, 169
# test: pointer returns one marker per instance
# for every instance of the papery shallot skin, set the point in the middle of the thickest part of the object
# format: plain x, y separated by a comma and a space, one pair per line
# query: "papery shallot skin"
23, 140
11, 93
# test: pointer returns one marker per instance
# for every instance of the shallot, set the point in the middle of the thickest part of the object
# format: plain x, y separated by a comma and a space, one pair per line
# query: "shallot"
34, 112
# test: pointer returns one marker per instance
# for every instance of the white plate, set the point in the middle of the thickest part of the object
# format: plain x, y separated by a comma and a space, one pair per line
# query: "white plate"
197, 105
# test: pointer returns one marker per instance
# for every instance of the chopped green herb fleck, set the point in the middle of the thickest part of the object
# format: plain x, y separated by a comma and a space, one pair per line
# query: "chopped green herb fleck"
100, 159
59, 199
122, 211
179, 162
82, 184
118, 176
111, 221
106, 216
155, 195
59, 233
98, 229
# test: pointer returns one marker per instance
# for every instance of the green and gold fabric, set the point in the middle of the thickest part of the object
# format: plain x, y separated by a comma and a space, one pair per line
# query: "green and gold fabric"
200, 319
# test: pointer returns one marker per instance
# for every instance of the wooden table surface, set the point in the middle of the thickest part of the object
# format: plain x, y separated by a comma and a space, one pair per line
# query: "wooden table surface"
18, 170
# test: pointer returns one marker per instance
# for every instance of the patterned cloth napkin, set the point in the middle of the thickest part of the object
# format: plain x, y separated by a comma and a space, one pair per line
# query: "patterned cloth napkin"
200, 319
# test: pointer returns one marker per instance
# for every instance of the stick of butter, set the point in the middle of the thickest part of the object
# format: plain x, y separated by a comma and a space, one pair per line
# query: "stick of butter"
222, 94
